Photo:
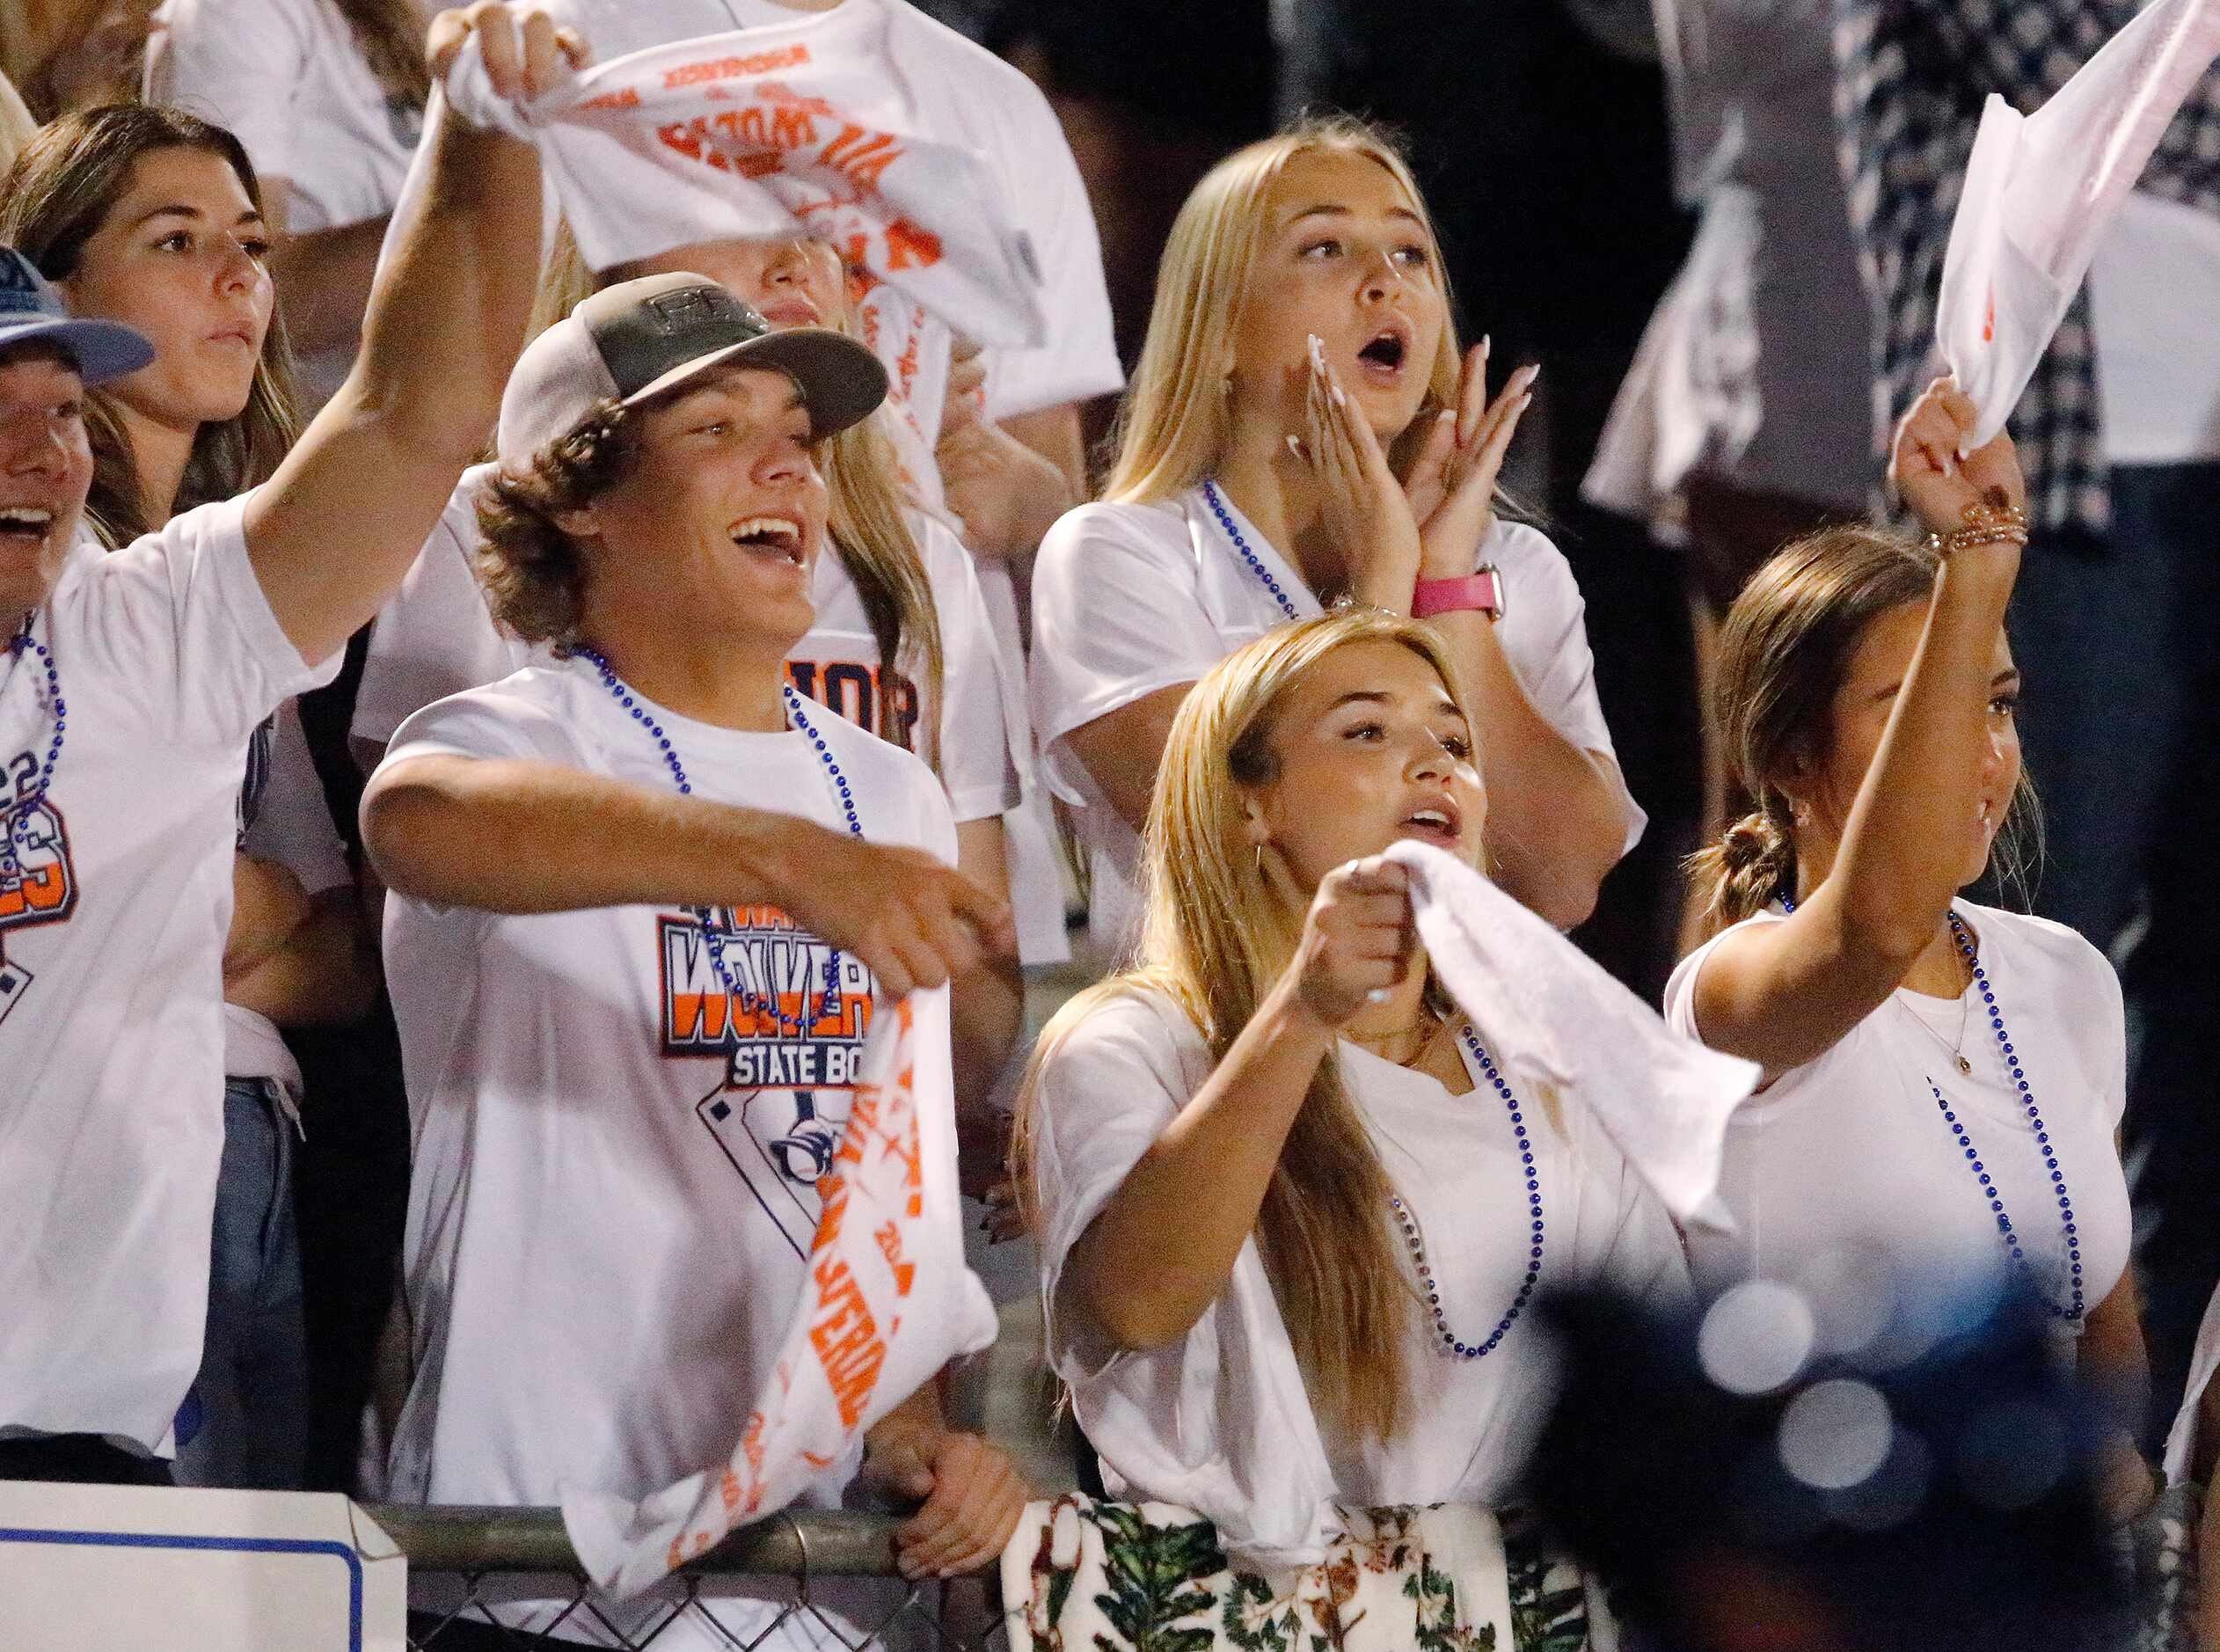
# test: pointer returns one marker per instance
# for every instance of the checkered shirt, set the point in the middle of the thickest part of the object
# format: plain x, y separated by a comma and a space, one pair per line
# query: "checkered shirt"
1910, 77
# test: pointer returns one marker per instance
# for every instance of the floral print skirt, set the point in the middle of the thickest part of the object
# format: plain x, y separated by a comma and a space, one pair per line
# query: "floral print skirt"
1087, 1576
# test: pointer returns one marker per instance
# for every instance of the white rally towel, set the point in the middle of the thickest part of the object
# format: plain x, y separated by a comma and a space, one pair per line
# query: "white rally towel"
888, 1303
763, 132
1664, 1100
2040, 190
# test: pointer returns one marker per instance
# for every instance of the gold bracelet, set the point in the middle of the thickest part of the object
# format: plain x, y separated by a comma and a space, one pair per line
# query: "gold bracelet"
1985, 525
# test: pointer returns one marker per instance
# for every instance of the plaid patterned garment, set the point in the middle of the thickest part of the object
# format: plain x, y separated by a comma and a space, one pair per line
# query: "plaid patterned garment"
1910, 77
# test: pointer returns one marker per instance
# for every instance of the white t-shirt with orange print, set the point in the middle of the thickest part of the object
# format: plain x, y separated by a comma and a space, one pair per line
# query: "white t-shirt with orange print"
615, 1164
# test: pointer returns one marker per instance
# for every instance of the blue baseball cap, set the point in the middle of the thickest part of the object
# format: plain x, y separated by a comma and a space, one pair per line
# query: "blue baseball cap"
31, 308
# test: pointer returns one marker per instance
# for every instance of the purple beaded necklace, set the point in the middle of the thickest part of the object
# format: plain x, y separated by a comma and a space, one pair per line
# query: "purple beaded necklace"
1531, 1172
714, 932
18, 814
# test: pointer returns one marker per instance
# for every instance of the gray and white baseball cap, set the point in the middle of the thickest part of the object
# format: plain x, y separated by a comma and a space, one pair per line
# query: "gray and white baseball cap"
644, 338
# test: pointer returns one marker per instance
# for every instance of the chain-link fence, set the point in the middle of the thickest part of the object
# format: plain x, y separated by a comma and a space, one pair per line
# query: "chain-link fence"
806, 1581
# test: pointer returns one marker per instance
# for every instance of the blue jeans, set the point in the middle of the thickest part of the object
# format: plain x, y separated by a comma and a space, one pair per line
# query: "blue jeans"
2120, 733
247, 1414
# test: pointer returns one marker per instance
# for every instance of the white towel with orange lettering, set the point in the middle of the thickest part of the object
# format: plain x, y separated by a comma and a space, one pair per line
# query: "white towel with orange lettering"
2040, 191
801, 127
888, 1303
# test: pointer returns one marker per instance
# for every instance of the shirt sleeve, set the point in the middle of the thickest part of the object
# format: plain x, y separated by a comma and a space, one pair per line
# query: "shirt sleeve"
294, 824
1080, 359
237, 64
180, 614
1116, 615
483, 723
1108, 1087
436, 636
975, 749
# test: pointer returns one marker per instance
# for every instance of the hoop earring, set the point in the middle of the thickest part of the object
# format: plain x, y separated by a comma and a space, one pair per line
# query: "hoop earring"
1258, 859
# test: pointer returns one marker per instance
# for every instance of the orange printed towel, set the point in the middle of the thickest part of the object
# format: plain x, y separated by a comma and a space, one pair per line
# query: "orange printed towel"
2040, 190
793, 127
887, 1303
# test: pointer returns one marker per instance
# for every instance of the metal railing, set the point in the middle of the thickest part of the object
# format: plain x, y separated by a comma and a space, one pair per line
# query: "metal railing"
796, 1577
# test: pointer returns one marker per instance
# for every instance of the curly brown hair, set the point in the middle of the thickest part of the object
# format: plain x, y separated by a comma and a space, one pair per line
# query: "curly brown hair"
531, 570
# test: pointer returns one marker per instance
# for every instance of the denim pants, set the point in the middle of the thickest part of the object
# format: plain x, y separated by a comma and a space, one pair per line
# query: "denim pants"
2121, 733
244, 1425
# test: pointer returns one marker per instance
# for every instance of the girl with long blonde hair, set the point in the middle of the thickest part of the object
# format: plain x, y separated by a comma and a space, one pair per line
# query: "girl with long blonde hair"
1301, 431
1944, 1080
1280, 1070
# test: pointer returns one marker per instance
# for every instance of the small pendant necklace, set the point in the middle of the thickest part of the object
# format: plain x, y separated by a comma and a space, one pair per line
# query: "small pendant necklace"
1958, 1056
714, 932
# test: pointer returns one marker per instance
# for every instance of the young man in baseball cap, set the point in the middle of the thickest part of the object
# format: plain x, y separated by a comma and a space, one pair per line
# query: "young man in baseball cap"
129, 685
644, 903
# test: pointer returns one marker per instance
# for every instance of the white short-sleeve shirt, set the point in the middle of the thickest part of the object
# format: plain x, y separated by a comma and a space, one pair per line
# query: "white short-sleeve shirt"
616, 1161
1114, 1081
111, 969
1850, 1152
436, 636
1128, 599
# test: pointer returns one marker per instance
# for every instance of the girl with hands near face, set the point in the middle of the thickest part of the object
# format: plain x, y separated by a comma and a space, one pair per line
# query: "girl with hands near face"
1302, 430
1960, 1069
1398, 531
1281, 1081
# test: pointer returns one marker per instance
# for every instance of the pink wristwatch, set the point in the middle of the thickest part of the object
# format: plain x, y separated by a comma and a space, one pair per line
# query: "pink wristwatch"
1482, 590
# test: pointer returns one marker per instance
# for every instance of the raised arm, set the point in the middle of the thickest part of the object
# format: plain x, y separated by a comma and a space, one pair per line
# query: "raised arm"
1783, 994
518, 836
1202, 1182
337, 527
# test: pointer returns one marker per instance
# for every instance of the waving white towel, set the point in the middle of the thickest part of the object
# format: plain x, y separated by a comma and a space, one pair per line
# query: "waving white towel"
889, 1301
793, 127
2040, 190
1664, 1100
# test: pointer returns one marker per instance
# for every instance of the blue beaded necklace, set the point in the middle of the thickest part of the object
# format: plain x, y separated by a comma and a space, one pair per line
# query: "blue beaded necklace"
18, 813
1456, 1345
1256, 563
712, 931
2070, 1230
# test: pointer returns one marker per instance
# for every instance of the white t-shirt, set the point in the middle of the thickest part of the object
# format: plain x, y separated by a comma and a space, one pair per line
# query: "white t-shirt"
1850, 1152
1120, 1077
289, 822
610, 1206
111, 971
2159, 381
436, 636
1128, 599
287, 77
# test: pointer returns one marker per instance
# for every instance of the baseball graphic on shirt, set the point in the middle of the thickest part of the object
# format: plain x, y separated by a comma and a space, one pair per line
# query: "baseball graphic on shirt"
789, 1013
